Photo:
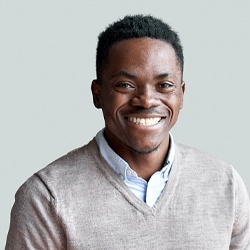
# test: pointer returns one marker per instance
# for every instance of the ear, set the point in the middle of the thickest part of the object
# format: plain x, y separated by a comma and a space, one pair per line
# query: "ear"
96, 93
183, 87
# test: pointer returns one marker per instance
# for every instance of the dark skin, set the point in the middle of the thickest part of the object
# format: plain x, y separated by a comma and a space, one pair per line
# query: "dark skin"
140, 93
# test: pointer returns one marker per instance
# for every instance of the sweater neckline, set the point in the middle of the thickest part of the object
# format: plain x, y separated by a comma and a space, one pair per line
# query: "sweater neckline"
164, 198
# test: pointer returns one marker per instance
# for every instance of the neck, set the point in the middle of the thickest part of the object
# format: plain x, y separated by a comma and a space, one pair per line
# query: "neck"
145, 165
144, 161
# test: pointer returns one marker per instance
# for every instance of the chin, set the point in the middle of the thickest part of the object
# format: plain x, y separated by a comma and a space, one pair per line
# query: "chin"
143, 151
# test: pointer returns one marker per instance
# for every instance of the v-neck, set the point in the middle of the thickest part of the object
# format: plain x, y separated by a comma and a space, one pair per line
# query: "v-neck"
164, 198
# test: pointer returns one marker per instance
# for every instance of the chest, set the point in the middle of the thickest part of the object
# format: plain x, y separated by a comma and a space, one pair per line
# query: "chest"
109, 218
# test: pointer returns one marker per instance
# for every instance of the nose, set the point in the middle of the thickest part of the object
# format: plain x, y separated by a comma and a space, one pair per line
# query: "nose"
145, 97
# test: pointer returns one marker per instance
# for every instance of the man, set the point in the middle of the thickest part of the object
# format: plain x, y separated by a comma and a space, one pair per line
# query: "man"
132, 186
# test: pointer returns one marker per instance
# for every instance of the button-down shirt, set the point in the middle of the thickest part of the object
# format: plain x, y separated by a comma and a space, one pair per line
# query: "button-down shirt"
149, 191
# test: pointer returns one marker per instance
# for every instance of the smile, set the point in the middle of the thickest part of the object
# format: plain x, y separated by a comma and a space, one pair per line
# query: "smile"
144, 121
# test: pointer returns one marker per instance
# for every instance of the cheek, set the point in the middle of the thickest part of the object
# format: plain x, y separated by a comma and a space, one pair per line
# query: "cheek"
112, 104
173, 104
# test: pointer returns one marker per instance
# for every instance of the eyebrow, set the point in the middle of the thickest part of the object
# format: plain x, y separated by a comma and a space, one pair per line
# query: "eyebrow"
133, 76
164, 75
124, 73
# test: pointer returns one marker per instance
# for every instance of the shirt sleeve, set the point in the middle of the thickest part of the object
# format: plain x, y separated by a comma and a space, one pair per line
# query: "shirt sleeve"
240, 239
34, 221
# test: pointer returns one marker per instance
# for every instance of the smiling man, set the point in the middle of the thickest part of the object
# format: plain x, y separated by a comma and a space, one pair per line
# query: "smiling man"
132, 186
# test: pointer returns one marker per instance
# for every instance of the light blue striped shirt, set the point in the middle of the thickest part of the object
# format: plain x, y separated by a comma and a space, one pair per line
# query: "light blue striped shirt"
149, 191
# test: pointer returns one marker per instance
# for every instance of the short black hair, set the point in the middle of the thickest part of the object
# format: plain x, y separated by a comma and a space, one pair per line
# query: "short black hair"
136, 26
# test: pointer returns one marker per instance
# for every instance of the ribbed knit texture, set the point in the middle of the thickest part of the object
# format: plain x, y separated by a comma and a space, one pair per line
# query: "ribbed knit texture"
79, 203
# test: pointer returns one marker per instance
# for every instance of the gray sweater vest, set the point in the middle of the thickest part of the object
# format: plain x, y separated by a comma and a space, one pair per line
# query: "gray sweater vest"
78, 202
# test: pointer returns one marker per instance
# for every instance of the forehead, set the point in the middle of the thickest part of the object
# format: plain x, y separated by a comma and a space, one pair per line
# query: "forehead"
141, 55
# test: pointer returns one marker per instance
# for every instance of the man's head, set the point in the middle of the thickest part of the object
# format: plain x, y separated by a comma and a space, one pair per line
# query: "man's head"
136, 26
139, 87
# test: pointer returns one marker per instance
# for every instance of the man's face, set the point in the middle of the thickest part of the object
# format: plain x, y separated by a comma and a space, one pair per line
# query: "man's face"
140, 94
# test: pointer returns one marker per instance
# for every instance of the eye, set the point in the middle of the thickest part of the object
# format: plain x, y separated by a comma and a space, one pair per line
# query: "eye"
165, 86
124, 87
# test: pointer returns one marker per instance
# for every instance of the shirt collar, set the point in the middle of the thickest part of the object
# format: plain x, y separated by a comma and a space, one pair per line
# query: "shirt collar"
120, 166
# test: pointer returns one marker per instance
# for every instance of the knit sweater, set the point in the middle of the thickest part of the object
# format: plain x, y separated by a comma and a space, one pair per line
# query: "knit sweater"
78, 202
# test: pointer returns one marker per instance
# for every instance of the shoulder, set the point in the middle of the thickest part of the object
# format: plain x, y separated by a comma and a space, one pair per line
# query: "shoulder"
202, 166
193, 156
205, 170
74, 157
65, 173
73, 163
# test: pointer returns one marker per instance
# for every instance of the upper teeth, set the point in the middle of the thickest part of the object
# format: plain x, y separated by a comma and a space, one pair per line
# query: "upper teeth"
144, 121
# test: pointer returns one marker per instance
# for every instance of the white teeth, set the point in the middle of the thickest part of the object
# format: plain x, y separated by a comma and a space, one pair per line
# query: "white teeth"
144, 121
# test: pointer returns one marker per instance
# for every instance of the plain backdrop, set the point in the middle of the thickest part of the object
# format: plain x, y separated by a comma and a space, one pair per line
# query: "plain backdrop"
47, 63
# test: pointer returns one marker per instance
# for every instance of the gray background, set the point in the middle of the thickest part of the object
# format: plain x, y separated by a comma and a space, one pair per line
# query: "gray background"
47, 56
